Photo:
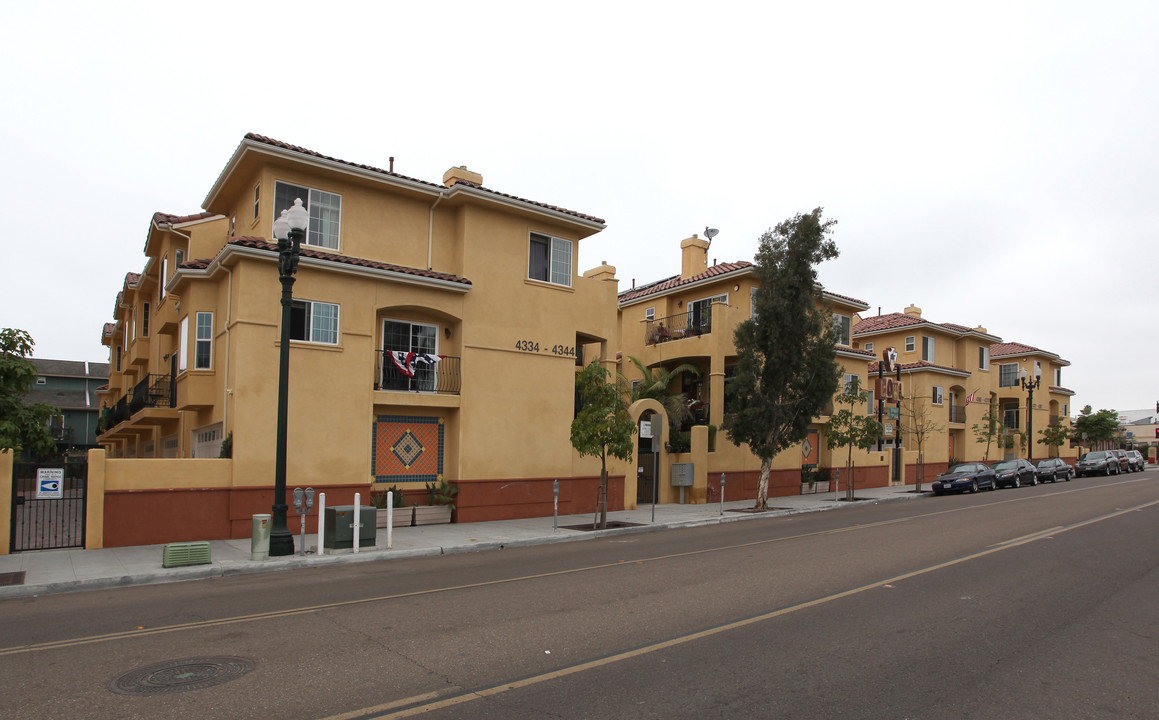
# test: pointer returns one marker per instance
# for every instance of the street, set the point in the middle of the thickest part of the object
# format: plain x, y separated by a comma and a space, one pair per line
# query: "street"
1035, 602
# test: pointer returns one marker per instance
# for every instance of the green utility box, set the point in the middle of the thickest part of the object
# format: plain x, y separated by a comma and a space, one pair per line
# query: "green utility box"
186, 553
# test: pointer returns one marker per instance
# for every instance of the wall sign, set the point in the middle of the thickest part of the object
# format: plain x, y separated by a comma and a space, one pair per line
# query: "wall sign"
49, 483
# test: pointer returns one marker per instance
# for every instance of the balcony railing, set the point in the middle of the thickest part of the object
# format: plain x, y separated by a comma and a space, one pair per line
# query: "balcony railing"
442, 377
957, 413
675, 327
154, 391
1054, 420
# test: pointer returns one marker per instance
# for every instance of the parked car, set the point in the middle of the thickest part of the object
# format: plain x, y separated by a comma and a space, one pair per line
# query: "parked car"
1097, 462
1138, 462
971, 476
1014, 473
1053, 470
1124, 460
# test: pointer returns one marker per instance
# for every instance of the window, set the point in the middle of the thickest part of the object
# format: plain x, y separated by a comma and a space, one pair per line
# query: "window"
325, 211
983, 358
937, 395
871, 406
869, 347
145, 320
161, 284
133, 324
1058, 377
408, 337
203, 351
1064, 411
1007, 374
183, 345
847, 385
232, 226
549, 260
650, 314
41, 381
700, 312
314, 322
927, 348
178, 258
909, 344
257, 200
841, 322
118, 358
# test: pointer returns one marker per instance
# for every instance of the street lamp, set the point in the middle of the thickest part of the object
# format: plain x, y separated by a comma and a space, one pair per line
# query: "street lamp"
1030, 386
288, 230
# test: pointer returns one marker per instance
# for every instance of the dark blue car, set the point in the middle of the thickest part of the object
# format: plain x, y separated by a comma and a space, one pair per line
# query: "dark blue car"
965, 477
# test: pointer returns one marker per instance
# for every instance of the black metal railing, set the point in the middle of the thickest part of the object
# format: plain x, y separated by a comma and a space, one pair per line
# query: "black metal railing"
442, 377
692, 323
957, 413
154, 391
1054, 421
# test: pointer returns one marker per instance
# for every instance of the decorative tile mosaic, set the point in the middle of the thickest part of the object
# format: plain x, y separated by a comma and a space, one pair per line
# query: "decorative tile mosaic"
407, 448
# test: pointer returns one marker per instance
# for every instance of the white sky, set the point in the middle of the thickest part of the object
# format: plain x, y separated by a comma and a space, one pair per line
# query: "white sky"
993, 162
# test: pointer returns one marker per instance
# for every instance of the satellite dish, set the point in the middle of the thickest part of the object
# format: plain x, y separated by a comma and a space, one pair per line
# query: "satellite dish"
710, 233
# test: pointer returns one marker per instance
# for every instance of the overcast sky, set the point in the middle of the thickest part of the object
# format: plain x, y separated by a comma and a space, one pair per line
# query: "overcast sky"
992, 163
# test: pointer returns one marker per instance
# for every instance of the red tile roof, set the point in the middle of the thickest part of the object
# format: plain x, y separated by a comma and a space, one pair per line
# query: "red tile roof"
295, 148
110, 328
675, 281
1060, 389
850, 300
160, 218
891, 321
132, 279
856, 351
1013, 348
262, 244
922, 365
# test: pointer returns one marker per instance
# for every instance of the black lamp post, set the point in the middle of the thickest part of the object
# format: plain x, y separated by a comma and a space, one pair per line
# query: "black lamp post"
289, 229
1030, 386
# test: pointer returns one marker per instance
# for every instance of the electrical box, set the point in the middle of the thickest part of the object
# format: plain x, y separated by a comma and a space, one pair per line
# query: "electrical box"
682, 474
340, 527
186, 553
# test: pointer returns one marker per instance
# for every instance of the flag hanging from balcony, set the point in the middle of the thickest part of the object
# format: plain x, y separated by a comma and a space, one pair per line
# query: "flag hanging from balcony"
970, 399
405, 361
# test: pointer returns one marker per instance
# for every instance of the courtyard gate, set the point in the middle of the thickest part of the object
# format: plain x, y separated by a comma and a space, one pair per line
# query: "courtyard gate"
47, 514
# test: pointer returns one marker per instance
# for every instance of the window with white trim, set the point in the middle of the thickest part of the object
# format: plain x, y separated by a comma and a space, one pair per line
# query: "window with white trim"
753, 303
869, 347
909, 343
847, 385
407, 337
871, 405
927, 348
650, 314
203, 344
1008, 374
315, 322
937, 399
133, 324
178, 258
161, 285
325, 209
257, 200
700, 312
145, 320
549, 259
183, 345
1058, 377
842, 324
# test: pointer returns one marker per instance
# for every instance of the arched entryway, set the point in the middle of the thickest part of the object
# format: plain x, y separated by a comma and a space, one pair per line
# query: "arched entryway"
649, 458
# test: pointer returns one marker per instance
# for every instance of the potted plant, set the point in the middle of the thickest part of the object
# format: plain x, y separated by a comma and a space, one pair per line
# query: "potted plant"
403, 515
442, 501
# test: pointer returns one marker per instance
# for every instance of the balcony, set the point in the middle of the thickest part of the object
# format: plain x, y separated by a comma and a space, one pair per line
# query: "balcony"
153, 391
677, 327
958, 414
1054, 420
442, 378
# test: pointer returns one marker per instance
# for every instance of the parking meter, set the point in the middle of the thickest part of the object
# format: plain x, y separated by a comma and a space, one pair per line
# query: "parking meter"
303, 503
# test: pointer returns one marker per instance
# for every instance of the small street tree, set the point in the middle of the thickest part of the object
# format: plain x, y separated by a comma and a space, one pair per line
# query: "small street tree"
23, 428
602, 426
1054, 437
918, 423
990, 429
1093, 427
850, 428
786, 370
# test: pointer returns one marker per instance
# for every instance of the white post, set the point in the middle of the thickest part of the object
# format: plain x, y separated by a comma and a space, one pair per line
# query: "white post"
321, 521
390, 519
357, 516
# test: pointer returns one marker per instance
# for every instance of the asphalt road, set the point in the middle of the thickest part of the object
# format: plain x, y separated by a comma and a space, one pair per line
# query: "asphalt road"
1028, 603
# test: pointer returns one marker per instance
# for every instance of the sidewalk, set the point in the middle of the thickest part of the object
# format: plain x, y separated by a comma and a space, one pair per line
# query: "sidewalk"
55, 571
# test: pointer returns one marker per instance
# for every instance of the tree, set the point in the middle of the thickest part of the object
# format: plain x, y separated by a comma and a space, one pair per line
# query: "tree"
850, 428
602, 426
1053, 437
786, 370
655, 384
1102, 426
990, 429
22, 427
917, 422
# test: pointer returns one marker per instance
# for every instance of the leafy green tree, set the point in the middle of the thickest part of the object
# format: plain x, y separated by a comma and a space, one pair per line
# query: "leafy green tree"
23, 428
602, 426
850, 428
1053, 437
1093, 427
990, 429
655, 384
786, 370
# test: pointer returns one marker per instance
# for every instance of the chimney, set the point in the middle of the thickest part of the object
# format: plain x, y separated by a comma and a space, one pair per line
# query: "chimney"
981, 329
693, 257
603, 272
913, 311
462, 175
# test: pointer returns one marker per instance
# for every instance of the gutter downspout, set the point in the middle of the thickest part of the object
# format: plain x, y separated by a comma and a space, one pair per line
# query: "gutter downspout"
431, 231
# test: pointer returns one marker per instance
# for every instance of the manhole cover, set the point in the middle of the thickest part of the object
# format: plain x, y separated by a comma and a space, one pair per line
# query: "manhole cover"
180, 675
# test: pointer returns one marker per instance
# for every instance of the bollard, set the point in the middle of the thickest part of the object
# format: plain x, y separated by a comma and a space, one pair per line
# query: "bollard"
260, 538
321, 521
722, 494
357, 516
390, 520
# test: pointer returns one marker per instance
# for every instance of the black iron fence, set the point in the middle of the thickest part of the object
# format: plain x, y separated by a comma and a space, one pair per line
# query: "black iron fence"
442, 377
957, 413
48, 505
153, 391
692, 323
